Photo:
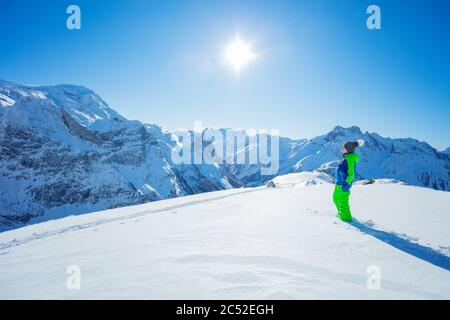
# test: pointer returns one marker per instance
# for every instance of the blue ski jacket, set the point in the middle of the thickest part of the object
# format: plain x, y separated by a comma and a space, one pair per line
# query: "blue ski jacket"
345, 172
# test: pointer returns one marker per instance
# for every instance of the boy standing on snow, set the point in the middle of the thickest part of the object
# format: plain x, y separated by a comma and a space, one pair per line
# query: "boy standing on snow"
345, 173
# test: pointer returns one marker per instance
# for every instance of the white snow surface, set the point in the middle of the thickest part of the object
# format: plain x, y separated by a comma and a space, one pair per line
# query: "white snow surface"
247, 243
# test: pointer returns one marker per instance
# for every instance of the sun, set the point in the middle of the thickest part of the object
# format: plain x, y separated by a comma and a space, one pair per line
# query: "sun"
238, 54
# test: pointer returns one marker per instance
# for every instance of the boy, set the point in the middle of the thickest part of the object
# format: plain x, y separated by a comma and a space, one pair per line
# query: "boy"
345, 173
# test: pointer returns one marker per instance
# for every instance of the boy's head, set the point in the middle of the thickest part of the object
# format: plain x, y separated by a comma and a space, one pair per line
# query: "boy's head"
350, 146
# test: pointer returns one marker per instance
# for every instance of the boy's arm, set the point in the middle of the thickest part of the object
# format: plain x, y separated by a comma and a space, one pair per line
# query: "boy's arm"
351, 171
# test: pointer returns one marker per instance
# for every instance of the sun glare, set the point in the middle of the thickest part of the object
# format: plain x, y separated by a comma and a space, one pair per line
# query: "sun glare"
238, 54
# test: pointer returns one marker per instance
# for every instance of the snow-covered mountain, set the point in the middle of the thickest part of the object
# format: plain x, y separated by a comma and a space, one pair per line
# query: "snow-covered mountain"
65, 151
246, 243
408, 160
446, 151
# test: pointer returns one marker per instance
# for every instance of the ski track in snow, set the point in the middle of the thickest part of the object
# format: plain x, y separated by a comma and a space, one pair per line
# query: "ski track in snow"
43, 235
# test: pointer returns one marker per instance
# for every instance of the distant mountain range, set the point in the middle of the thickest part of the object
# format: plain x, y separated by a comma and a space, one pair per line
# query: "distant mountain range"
65, 151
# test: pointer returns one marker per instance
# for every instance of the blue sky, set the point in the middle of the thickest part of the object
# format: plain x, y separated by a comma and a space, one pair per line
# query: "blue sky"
318, 65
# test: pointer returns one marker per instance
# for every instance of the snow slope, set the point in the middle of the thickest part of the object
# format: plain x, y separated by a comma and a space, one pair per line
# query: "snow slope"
267, 243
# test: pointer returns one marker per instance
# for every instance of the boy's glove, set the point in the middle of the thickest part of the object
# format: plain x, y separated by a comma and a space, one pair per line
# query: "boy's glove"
346, 187
349, 179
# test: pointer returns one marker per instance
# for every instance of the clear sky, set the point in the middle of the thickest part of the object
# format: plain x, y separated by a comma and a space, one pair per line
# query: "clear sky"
318, 65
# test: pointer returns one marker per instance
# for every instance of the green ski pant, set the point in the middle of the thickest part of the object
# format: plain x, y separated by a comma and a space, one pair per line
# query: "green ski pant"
340, 199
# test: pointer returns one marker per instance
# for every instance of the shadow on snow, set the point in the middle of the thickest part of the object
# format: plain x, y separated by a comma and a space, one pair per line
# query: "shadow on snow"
400, 242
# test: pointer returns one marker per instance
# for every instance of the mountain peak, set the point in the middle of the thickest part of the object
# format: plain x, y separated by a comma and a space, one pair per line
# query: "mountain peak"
340, 129
67, 88
74, 89
350, 132
82, 103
